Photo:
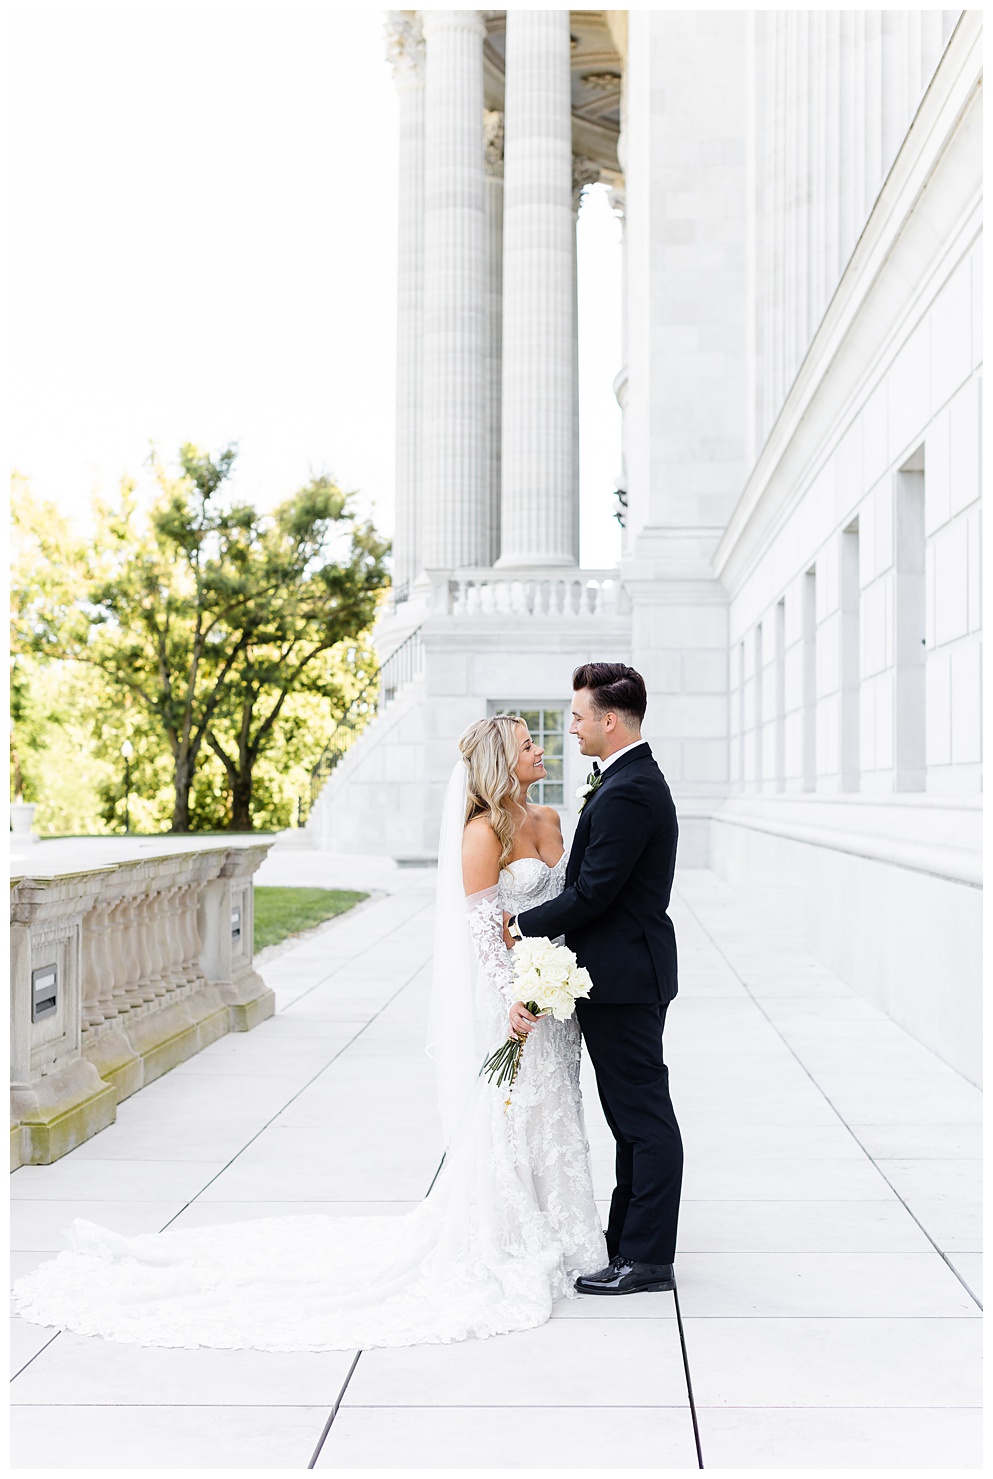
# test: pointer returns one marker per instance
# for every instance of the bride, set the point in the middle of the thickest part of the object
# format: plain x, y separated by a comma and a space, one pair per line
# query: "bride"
510, 1221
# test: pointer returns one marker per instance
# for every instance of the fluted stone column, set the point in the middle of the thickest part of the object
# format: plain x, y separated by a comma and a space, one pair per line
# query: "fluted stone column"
493, 157
453, 499
405, 47
584, 172
540, 503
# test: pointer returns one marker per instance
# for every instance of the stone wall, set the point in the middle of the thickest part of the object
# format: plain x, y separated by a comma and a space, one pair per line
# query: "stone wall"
852, 563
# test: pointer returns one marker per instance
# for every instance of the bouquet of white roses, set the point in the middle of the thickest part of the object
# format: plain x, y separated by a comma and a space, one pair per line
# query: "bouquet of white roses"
550, 981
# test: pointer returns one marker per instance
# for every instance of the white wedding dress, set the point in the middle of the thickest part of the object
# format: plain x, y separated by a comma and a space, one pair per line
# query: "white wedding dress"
508, 1225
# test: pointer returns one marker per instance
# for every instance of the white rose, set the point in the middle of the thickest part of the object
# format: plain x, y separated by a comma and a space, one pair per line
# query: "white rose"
553, 973
583, 791
562, 1006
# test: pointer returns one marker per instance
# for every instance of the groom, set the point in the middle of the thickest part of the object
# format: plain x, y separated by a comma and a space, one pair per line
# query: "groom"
613, 915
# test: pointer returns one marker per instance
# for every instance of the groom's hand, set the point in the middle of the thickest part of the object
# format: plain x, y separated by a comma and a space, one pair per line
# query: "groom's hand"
508, 939
521, 1020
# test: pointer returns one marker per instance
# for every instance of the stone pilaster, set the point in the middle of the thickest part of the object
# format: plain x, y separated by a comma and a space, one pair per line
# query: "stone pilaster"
493, 156
540, 503
454, 520
405, 48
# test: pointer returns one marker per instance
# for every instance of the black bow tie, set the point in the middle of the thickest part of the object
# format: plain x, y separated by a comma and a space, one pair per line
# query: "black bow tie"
596, 767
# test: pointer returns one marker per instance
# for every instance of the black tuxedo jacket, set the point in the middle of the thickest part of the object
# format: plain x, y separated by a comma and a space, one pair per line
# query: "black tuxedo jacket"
617, 886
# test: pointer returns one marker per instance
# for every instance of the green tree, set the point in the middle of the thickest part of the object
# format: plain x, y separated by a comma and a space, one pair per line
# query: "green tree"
312, 604
202, 615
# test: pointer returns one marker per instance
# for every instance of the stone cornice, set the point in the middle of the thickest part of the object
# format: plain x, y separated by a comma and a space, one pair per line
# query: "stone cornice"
827, 390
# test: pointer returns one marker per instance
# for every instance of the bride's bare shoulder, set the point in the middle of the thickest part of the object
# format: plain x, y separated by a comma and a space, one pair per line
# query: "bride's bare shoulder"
480, 856
479, 839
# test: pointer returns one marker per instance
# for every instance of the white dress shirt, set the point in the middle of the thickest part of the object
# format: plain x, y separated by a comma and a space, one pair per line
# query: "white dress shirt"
617, 755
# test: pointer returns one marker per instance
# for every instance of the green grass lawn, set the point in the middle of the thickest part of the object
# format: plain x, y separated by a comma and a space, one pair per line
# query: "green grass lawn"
280, 912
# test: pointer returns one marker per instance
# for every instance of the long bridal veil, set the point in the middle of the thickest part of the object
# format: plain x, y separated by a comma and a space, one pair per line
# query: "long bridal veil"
454, 1041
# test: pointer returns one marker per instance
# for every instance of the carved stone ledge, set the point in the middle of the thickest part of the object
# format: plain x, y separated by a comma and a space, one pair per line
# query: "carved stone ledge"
154, 962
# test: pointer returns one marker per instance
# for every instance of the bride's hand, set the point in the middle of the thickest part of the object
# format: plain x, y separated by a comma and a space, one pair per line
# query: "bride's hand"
521, 1020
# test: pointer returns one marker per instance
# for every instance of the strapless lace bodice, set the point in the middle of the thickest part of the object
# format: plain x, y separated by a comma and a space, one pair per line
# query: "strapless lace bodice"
528, 882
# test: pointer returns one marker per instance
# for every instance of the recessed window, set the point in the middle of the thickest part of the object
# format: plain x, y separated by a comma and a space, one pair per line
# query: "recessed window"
547, 728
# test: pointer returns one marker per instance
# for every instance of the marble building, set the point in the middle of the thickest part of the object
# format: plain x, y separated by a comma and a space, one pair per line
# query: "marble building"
800, 579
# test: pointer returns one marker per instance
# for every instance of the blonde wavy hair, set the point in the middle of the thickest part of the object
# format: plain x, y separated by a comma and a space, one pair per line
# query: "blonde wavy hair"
491, 749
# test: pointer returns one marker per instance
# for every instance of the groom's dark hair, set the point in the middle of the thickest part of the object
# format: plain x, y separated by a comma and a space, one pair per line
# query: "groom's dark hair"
613, 688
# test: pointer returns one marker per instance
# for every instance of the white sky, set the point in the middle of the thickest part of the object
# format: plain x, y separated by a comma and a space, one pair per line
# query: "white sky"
204, 249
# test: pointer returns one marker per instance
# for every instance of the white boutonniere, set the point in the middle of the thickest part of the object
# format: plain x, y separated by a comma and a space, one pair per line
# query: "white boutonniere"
592, 783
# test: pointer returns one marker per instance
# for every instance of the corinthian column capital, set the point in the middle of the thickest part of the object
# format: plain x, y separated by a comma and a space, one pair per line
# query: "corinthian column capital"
493, 142
405, 47
584, 172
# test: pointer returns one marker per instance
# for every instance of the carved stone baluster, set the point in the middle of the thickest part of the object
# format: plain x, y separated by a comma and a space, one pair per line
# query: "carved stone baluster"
142, 991
194, 950
89, 962
542, 598
181, 954
152, 985
163, 943
187, 950
115, 956
103, 968
170, 941
130, 953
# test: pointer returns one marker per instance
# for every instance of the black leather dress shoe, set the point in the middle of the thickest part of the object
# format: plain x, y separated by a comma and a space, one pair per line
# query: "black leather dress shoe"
621, 1276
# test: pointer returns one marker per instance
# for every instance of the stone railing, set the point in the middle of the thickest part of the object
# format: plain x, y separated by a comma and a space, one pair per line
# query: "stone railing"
579, 594
125, 959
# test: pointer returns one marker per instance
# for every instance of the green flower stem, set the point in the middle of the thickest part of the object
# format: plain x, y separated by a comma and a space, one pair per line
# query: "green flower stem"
505, 1063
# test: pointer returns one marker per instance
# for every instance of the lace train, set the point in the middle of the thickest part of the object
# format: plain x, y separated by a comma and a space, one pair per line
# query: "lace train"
509, 1224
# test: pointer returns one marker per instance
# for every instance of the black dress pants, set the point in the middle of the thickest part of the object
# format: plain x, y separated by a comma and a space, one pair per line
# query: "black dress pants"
625, 1048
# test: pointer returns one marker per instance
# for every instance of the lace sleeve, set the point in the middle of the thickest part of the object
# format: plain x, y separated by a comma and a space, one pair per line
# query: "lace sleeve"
485, 919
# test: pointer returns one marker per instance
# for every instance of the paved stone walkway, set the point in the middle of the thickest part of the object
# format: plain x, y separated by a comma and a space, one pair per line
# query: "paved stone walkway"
829, 1267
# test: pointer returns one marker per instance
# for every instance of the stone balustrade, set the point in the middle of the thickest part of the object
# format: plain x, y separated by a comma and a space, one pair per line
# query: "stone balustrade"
126, 958
580, 594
